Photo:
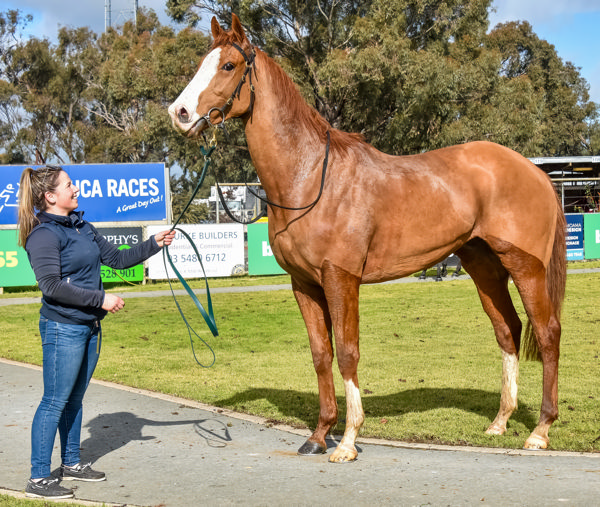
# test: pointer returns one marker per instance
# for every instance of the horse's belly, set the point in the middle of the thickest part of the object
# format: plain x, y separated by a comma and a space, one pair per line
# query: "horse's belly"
390, 267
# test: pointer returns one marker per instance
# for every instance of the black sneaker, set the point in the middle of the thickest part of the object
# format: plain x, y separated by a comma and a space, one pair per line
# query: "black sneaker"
81, 473
47, 488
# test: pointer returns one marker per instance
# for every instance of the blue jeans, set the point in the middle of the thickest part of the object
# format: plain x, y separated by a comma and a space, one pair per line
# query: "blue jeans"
70, 357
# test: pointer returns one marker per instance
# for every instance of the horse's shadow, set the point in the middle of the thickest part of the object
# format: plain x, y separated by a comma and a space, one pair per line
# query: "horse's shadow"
305, 406
109, 432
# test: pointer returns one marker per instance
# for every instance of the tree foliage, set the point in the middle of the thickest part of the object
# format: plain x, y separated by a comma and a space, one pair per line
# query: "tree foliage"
413, 75
562, 94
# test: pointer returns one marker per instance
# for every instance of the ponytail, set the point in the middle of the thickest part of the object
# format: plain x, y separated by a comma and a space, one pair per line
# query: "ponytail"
32, 196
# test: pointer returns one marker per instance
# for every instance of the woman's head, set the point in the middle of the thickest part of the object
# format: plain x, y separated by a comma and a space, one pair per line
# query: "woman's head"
49, 189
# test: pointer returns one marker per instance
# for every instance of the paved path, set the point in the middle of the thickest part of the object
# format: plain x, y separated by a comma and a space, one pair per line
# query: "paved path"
161, 450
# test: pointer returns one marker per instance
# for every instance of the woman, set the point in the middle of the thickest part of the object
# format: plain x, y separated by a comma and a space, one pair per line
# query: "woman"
65, 253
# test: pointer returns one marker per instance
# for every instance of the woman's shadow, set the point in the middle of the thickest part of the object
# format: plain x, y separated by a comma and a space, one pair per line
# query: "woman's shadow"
109, 432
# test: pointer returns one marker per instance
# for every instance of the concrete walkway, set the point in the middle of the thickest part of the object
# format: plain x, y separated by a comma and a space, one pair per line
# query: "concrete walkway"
163, 451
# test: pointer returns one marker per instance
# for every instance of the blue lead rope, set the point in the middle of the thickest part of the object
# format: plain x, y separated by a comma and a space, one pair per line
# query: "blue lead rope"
208, 315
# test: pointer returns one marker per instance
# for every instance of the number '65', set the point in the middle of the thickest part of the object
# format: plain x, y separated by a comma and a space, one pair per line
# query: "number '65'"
8, 259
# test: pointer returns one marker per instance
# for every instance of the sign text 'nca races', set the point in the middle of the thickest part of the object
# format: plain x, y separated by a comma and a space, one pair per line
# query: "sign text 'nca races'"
145, 189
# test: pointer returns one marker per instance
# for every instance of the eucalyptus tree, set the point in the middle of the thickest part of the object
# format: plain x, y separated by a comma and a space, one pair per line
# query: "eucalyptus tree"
412, 75
409, 75
563, 100
13, 118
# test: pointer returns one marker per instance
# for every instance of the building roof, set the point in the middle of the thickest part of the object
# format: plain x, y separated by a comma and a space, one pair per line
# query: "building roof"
585, 167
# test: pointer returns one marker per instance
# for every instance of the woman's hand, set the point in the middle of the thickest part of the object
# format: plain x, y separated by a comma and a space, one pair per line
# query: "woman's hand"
164, 238
112, 303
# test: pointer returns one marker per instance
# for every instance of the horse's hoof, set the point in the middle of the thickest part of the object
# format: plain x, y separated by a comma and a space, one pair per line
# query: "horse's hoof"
495, 430
535, 442
310, 448
343, 455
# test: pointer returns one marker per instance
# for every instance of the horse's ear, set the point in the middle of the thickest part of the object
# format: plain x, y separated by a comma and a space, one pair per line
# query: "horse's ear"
237, 29
215, 28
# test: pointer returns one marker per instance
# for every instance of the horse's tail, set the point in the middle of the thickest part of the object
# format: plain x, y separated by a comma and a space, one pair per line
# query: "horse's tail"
556, 279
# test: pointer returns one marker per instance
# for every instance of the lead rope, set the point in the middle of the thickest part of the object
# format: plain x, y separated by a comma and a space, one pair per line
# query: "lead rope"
208, 315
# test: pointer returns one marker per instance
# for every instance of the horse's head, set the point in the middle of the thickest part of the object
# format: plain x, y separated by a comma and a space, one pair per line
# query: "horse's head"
222, 87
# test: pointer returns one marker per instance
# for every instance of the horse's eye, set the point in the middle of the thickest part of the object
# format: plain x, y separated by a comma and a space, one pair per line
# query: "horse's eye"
228, 66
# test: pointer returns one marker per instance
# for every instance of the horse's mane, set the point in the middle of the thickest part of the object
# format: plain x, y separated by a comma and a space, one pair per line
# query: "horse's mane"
305, 115
287, 91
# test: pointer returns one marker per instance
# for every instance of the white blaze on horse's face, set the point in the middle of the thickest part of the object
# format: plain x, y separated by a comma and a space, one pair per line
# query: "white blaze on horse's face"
183, 111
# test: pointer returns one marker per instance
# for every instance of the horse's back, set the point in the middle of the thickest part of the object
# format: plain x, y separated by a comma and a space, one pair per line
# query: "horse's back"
428, 205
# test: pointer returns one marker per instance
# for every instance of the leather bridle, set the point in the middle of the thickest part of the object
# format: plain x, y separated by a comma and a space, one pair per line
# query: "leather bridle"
250, 66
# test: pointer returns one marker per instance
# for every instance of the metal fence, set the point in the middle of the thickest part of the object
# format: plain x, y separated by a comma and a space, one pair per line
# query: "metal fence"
578, 195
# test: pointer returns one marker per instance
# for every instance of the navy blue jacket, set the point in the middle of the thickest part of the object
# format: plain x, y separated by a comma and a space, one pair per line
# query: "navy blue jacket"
65, 254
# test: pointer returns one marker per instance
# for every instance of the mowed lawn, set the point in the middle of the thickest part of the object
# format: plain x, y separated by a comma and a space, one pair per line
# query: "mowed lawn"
430, 369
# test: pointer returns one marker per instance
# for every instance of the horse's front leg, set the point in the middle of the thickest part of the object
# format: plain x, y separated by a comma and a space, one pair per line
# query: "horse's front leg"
341, 290
315, 312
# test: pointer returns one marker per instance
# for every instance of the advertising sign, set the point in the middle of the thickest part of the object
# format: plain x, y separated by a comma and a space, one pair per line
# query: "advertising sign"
107, 192
574, 237
15, 270
261, 260
591, 228
221, 247
122, 237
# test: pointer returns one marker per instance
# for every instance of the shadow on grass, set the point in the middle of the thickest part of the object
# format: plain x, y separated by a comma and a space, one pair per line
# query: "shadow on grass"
305, 406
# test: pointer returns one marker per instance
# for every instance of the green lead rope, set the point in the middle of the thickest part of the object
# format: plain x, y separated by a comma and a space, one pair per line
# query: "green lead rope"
208, 314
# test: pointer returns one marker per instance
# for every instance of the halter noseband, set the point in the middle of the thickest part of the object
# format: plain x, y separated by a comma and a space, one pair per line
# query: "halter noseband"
250, 66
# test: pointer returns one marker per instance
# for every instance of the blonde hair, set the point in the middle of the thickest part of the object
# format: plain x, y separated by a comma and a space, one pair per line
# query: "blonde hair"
32, 189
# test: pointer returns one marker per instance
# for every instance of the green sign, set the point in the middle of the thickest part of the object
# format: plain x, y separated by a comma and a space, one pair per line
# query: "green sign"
122, 238
261, 260
15, 270
133, 274
591, 235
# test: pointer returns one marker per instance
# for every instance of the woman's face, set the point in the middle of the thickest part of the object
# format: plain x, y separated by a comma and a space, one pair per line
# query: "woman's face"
64, 198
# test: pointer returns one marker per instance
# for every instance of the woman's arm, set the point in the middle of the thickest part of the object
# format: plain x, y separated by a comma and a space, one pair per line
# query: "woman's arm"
121, 259
43, 250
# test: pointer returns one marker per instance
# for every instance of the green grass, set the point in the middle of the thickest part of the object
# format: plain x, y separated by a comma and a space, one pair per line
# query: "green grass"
241, 281
430, 369
9, 501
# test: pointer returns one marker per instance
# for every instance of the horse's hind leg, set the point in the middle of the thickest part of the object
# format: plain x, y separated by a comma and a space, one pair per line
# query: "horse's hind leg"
315, 313
532, 287
491, 280
529, 275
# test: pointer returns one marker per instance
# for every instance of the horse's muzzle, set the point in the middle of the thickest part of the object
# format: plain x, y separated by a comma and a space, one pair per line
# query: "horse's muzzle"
188, 124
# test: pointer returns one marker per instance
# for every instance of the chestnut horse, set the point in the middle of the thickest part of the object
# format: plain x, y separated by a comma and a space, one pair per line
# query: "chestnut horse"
493, 208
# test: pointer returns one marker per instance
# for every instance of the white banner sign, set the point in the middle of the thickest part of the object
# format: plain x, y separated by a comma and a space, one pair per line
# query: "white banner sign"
221, 247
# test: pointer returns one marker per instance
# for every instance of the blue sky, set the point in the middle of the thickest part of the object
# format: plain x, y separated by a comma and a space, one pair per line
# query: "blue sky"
572, 26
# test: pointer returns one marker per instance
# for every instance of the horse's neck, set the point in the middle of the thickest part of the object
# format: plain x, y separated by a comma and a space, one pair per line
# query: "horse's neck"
285, 151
